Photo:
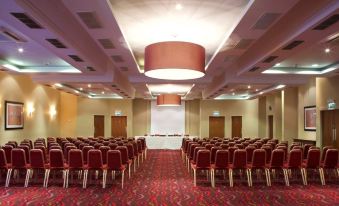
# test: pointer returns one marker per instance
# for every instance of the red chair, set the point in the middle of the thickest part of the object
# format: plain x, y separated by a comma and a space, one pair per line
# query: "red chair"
75, 163
221, 162
191, 154
114, 164
3, 162
213, 153
209, 146
124, 157
203, 163
231, 153
131, 157
295, 162
268, 151
277, 162
37, 163
97, 145
135, 151
195, 154
85, 150
258, 162
249, 153
306, 147
139, 143
330, 162
94, 162
324, 152
104, 150
112, 146
239, 162
8, 153
56, 163
66, 151
18, 163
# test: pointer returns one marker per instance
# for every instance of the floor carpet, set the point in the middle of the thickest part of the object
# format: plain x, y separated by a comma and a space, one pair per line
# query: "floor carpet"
163, 180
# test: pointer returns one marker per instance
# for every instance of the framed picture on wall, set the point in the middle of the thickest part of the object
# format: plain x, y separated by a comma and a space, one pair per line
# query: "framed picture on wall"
14, 115
310, 118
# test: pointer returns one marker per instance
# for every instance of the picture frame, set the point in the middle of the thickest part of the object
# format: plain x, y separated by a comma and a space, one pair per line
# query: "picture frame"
310, 118
14, 115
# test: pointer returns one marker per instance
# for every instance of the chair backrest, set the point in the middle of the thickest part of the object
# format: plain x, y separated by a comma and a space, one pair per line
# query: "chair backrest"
259, 158
295, 158
130, 150
221, 159
56, 159
203, 159
268, 151
37, 158
191, 150
306, 147
75, 159
249, 151
3, 161
324, 152
8, 153
209, 146
240, 158
139, 143
26, 149
18, 158
85, 150
283, 147
97, 145
277, 158
124, 154
114, 161
313, 158
135, 148
94, 159
331, 158
67, 149
195, 153
104, 150
112, 146
224, 146
231, 153
213, 153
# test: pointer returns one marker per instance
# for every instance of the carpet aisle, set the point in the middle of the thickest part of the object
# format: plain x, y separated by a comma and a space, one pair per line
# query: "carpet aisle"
163, 180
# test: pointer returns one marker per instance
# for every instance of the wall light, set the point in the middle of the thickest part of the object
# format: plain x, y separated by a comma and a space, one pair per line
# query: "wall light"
30, 109
52, 111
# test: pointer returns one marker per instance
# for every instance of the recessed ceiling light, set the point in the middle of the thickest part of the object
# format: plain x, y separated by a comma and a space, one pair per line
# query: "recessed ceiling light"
249, 87
81, 89
315, 65
89, 85
233, 93
261, 93
20, 50
327, 50
58, 85
256, 90
102, 92
76, 91
280, 86
178, 6
277, 64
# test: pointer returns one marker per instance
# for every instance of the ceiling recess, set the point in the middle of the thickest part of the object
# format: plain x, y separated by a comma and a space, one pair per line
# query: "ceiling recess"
28, 21
56, 43
293, 44
90, 20
265, 21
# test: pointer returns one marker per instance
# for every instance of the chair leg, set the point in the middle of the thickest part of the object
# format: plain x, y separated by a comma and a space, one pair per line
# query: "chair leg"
212, 177
134, 165
84, 182
104, 176
338, 172
321, 174
129, 171
67, 178
47, 177
122, 179
64, 172
230, 176
249, 176
287, 183
194, 177
28, 171
303, 176
8, 178
113, 177
268, 177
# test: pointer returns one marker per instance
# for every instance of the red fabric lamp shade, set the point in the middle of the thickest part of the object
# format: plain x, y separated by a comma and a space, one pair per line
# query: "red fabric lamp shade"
174, 60
168, 100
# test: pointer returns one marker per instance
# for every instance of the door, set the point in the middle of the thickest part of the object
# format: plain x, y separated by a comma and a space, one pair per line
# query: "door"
270, 126
99, 125
217, 126
236, 126
329, 128
119, 126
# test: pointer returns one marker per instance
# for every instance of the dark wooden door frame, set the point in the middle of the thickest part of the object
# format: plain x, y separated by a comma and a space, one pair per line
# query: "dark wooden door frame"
233, 132
221, 133
99, 124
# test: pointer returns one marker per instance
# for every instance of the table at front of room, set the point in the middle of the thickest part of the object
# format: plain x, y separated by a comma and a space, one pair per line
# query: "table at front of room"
163, 142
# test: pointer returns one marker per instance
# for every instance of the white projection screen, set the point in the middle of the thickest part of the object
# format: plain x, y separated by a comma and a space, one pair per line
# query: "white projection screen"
167, 120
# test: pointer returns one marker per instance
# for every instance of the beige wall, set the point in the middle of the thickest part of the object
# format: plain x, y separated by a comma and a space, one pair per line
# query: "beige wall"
87, 108
141, 117
290, 114
274, 107
68, 114
262, 117
192, 117
20, 88
248, 109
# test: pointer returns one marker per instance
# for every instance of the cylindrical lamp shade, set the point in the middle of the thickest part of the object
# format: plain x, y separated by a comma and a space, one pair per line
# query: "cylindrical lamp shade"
168, 100
174, 60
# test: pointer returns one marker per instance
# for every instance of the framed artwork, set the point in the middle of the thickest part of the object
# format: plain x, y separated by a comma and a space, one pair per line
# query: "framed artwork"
14, 115
310, 118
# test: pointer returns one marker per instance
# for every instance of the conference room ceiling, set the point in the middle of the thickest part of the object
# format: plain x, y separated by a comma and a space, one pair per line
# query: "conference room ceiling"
76, 43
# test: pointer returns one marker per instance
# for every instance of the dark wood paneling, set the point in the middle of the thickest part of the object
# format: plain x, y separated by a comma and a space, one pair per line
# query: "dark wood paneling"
119, 126
236, 126
216, 126
99, 125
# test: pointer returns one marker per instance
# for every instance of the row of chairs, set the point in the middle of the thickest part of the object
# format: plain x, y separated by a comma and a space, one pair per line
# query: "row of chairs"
212, 159
105, 159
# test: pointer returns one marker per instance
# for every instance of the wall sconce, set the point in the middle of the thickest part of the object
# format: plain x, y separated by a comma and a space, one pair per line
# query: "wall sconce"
52, 111
30, 109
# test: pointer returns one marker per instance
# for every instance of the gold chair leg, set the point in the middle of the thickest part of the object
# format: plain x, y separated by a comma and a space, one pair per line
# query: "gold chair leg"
287, 183
303, 176
28, 171
194, 177
84, 182
230, 176
321, 174
122, 179
8, 178
104, 176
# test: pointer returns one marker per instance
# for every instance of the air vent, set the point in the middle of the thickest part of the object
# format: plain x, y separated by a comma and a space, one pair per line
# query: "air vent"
124, 69
76, 58
293, 44
265, 21
9, 36
117, 58
254, 69
244, 43
91, 69
113, 85
270, 59
327, 23
106, 43
28, 21
90, 20
56, 43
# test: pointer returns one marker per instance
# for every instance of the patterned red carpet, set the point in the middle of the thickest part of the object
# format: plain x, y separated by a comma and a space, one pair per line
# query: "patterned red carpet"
163, 180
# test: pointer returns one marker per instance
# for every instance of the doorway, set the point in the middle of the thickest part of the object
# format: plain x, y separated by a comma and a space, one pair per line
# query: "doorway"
270, 126
216, 127
99, 125
236, 126
119, 126
330, 126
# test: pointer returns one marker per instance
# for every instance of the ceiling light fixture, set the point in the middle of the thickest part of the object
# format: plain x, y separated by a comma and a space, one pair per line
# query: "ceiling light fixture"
168, 100
102, 92
175, 60
249, 87
327, 50
80, 88
89, 85
315, 65
20, 50
11, 67
277, 64
178, 6
58, 85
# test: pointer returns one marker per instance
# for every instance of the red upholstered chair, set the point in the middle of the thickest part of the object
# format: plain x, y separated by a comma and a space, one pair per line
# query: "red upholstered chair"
231, 153
330, 162
268, 151
37, 163
13, 143
131, 157
85, 150
239, 162
3, 162
313, 162
139, 143
258, 162
277, 162
203, 163
221, 162
306, 147
66, 151
124, 157
97, 145
294, 163
144, 146
104, 150
18, 163
324, 152
285, 151
112, 146
26, 149
191, 154
135, 151
249, 152
55, 147
75, 163
240, 146
209, 146
114, 164
195, 154
8, 153
94, 162
56, 163
213, 153
224, 146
